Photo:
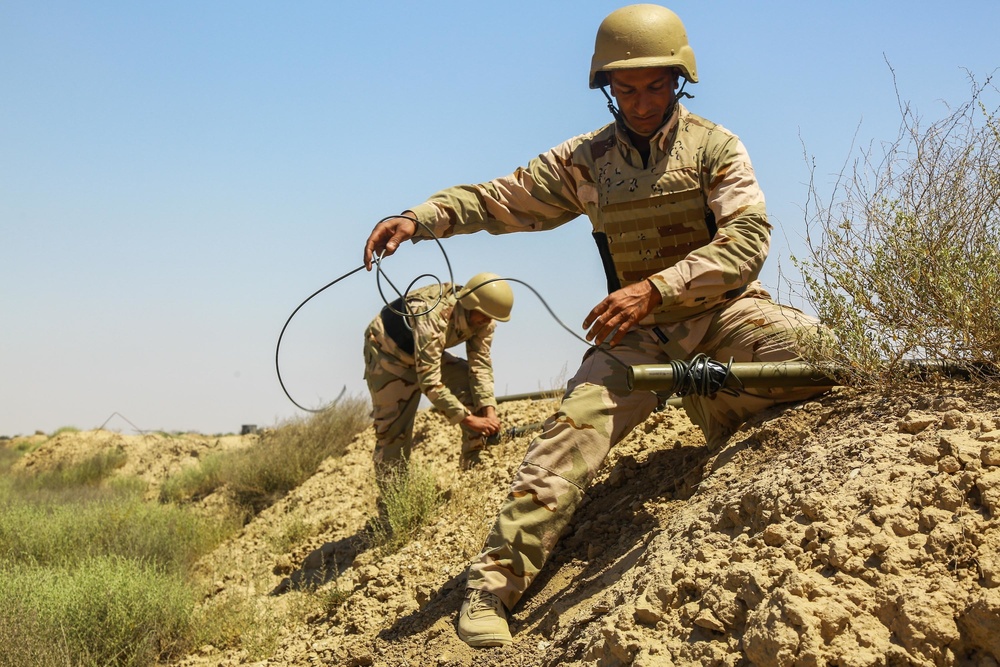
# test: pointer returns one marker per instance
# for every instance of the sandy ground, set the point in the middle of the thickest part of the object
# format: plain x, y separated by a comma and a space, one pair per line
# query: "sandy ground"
851, 530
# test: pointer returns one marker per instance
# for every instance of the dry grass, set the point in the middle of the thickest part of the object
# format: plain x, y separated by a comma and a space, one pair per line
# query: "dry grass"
409, 500
91, 574
250, 477
904, 260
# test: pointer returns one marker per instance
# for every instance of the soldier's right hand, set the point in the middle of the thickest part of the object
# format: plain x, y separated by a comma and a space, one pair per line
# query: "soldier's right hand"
482, 425
620, 311
387, 235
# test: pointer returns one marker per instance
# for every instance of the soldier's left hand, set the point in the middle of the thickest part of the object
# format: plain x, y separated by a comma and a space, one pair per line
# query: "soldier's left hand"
620, 311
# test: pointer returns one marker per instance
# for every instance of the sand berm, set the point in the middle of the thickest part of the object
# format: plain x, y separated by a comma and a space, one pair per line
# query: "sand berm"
851, 530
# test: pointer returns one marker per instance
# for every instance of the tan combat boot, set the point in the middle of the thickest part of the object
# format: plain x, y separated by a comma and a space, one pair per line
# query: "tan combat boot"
483, 621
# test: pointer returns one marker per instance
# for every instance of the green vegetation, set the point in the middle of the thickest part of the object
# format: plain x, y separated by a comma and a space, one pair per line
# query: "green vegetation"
904, 261
409, 499
94, 575
237, 620
195, 482
23, 445
104, 610
331, 598
91, 574
63, 529
252, 480
293, 531
90, 472
7, 457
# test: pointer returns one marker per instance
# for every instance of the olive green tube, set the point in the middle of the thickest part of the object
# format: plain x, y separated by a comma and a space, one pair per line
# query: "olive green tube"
660, 377
531, 396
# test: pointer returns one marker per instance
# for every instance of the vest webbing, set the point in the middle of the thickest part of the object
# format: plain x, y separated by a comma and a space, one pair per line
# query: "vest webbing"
649, 235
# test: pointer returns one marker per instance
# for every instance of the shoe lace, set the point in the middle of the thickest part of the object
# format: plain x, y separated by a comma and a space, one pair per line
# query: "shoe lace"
482, 601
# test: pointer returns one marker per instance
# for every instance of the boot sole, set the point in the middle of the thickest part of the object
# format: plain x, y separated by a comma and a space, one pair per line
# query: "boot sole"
485, 641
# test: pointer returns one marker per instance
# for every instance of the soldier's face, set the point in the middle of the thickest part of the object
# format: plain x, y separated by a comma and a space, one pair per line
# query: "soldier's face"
477, 319
644, 95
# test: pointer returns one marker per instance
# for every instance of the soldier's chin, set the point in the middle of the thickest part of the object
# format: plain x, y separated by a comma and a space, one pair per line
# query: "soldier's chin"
646, 130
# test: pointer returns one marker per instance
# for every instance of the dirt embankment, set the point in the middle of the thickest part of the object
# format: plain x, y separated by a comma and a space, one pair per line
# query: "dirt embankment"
851, 531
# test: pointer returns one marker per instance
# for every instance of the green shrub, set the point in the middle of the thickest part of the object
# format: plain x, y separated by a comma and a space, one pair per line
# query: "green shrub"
904, 261
54, 533
195, 482
237, 621
103, 611
293, 531
409, 499
8, 455
97, 576
90, 472
90, 574
287, 456
332, 598
23, 445
283, 458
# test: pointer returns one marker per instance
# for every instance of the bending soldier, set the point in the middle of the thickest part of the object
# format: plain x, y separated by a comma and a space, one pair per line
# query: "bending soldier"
406, 356
680, 223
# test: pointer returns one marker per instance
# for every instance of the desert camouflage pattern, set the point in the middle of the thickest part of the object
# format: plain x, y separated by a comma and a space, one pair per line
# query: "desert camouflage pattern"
598, 411
455, 386
692, 220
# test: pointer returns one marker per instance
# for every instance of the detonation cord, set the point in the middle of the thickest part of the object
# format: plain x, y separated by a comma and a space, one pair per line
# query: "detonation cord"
702, 376
277, 348
407, 313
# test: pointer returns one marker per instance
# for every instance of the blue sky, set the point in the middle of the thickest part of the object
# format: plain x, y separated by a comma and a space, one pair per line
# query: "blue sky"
176, 177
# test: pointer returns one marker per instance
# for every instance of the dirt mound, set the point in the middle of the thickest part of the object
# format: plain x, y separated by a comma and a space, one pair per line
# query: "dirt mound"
851, 530
152, 457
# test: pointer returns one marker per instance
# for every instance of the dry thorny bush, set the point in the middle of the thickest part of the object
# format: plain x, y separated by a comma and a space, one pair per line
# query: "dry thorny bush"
904, 260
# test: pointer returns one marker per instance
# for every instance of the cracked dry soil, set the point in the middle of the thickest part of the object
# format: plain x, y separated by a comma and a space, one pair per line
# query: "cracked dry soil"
851, 530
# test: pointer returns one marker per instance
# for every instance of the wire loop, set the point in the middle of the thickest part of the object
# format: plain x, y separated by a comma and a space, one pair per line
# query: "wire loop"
406, 313
702, 376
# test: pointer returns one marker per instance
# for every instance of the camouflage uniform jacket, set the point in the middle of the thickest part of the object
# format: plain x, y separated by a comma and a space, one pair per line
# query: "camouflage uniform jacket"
444, 324
692, 219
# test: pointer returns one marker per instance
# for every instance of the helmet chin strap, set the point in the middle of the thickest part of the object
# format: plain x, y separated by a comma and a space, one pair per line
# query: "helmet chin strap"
621, 118
612, 108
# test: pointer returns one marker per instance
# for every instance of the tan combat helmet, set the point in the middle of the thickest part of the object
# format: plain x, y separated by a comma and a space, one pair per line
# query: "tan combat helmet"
489, 295
641, 36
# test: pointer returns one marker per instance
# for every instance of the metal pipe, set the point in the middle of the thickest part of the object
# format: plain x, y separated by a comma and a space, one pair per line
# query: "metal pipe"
660, 377
531, 396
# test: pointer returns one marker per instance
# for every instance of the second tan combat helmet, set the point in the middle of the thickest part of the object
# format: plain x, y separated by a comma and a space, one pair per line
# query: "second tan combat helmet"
641, 36
489, 295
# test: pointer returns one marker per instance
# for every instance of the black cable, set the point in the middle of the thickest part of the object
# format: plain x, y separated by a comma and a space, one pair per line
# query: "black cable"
702, 376
560, 322
378, 274
277, 348
406, 313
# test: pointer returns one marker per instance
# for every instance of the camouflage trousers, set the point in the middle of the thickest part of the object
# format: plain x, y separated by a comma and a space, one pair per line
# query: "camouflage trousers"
598, 411
395, 393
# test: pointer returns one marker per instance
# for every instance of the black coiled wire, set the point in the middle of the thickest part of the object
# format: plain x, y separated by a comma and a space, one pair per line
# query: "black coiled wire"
702, 376
406, 313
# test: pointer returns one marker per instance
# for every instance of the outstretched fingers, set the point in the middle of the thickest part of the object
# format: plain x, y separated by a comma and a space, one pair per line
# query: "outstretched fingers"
386, 237
620, 311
